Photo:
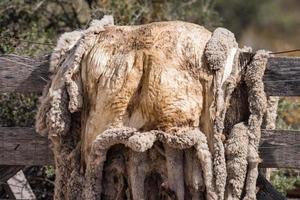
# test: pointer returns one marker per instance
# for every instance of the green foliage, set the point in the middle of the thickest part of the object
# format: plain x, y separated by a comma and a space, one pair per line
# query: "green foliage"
49, 171
237, 14
288, 113
17, 109
19, 22
286, 18
284, 180
145, 11
31, 27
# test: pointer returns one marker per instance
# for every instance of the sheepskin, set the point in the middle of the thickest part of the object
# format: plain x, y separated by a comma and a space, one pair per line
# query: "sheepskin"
219, 51
162, 90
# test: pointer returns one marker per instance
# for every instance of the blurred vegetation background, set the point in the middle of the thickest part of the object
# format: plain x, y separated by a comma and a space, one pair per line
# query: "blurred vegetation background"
31, 28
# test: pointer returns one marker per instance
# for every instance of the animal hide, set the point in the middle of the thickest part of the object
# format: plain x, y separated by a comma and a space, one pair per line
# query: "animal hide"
144, 112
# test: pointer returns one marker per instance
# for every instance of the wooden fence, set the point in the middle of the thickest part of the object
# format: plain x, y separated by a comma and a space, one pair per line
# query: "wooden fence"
21, 146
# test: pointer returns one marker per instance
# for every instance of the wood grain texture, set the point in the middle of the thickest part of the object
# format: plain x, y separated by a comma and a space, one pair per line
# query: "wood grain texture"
19, 187
22, 146
280, 149
282, 76
22, 74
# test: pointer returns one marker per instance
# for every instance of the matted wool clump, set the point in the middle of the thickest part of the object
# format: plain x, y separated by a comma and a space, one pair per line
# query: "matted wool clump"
139, 112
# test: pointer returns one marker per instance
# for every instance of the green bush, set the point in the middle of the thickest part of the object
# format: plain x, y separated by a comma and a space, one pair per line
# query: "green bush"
284, 180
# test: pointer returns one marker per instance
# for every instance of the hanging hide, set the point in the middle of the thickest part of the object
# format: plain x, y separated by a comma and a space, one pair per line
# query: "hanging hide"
143, 112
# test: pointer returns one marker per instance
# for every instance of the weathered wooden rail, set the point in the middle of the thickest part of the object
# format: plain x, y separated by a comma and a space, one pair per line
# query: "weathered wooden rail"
22, 74
22, 146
